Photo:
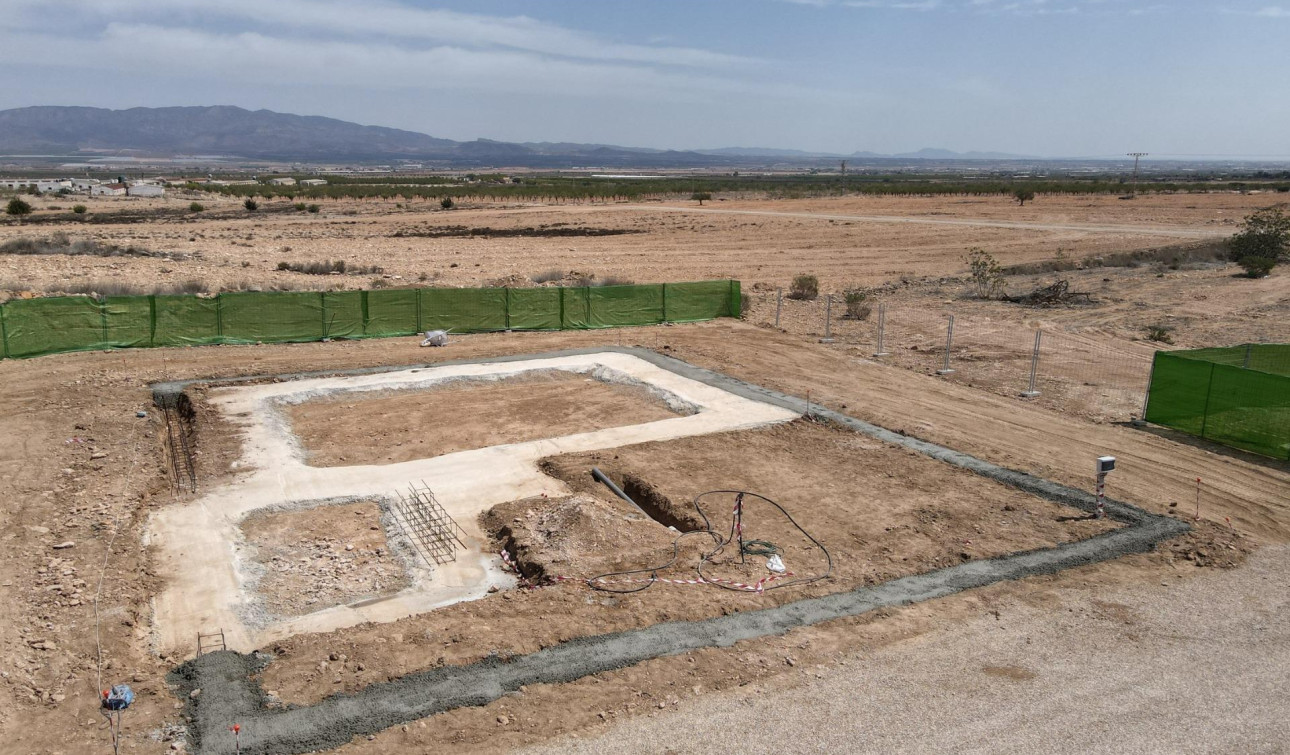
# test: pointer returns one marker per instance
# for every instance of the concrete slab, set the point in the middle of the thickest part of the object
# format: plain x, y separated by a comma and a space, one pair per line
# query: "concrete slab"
198, 542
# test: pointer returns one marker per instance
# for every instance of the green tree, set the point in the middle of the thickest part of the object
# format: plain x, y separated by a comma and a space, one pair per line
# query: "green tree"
1023, 196
447, 203
17, 208
1262, 242
699, 196
987, 276
251, 205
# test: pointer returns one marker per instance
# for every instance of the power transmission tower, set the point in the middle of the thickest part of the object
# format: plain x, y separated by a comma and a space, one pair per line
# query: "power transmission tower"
1136, 157
844, 168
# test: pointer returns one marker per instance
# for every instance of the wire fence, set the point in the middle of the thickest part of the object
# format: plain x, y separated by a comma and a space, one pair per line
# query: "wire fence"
1085, 371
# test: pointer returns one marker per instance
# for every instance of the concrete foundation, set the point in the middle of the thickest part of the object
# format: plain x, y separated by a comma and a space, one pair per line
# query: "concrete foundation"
198, 542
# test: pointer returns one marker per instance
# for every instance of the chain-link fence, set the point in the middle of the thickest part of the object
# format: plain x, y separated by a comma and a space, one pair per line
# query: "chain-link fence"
1084, 371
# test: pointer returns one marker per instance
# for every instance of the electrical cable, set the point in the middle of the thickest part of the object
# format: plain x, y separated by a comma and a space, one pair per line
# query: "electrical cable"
747, 547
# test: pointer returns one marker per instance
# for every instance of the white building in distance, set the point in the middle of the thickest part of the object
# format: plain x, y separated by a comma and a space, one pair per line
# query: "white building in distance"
145, 190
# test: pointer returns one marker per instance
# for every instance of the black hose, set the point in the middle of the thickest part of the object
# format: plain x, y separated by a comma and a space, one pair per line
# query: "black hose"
721, 543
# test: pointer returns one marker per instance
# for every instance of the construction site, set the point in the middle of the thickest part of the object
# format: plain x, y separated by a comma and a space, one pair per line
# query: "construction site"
588, 515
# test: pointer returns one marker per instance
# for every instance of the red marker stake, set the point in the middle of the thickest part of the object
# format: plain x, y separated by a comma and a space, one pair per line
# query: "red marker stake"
237, 737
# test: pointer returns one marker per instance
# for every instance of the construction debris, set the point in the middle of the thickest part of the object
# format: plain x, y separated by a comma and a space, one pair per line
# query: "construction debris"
1051, 296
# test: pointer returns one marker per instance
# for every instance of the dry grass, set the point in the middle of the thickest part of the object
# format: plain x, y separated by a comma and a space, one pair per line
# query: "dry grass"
60, 243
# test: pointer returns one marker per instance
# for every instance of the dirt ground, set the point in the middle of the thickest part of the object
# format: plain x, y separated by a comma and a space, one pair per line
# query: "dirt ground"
227, 247
82, 468
396, 426
882, 512
316, 558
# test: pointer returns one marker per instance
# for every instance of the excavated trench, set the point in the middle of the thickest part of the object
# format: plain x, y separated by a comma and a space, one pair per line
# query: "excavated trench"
230, 692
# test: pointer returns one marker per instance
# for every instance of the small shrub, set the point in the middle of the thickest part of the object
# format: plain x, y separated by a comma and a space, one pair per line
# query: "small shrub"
1262, 242
745, 305
378, 283
193, 286
17, 208
251, 205
196, 207
327, 268
312, 208
614, 280
858, 307
447, 203
79, 209
1257, 267
548, 276
1160, 333
804, 287
987, 276
301, 206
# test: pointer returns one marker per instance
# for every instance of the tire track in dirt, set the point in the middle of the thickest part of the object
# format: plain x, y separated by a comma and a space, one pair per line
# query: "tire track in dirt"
1146, 230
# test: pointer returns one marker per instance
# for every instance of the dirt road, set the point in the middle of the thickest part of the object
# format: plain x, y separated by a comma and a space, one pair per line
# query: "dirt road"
1195, 666
1146, 230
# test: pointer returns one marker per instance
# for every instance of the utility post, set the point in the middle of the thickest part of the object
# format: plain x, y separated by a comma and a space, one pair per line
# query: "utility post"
1105, 465
1136, 157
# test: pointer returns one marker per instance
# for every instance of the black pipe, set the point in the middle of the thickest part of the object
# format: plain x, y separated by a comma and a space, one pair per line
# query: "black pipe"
602, 477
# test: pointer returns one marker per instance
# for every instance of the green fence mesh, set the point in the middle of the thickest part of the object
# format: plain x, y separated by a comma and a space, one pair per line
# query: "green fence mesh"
34, 327
1238, 396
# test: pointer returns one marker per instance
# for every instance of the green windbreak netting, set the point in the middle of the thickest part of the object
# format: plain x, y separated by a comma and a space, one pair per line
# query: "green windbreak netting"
704, 300
33, 327
185, 321
533, 309
129, 321
283, 316
463, 310
392, 313
615, 306
575, 308
344, 311
1212, 394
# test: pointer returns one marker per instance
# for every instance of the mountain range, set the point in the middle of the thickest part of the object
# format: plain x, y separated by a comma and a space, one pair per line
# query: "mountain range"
235, 132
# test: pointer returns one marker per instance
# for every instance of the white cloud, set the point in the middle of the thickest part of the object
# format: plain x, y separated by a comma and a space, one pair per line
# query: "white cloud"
389, 20
254, 57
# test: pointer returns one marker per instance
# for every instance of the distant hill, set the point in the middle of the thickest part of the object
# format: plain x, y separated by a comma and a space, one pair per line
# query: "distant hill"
265, 135
219, 130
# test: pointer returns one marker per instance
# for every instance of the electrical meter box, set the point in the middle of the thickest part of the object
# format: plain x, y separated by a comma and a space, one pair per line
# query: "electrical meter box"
1105, 464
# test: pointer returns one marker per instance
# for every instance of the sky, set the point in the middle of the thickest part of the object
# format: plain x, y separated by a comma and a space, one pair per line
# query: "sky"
1073, 78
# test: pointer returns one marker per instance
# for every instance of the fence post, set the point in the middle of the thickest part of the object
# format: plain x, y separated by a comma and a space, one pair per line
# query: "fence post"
1146, 398
1248, 348
949, 342
103, 320
4, 334
1031, 392
779, 305
882, 326
1209, 391
219, 317
152, 320
828, 319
